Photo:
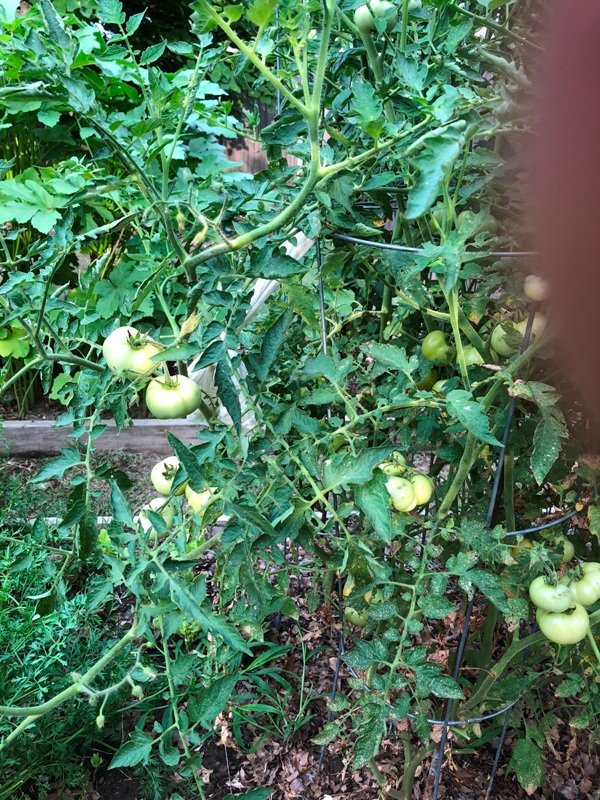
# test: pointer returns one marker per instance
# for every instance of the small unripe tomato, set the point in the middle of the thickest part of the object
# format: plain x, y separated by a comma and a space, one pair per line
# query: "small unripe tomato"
394, 465
162, 476
435, 347
358, 618
536, 288
199, 501
160, 506
365, 20
422, 487
550, 596
498, 342
566, 548
428, 381
518, 551
472, 356
401, 493
567, 627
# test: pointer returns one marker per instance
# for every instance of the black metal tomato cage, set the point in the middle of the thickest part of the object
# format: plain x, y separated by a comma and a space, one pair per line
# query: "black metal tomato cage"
446, 723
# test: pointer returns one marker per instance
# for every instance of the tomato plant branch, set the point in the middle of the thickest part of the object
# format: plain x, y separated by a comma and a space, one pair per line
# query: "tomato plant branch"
253, 58
79, 681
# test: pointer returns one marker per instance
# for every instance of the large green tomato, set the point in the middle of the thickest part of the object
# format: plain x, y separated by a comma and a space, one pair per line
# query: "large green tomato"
422, 487
128, 352
568, 627
435, 347
585, 591
402, 493
472, 356
173, 397
550, 596
162, 476
381, 9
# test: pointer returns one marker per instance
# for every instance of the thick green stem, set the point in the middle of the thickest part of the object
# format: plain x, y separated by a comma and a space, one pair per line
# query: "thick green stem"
469, 456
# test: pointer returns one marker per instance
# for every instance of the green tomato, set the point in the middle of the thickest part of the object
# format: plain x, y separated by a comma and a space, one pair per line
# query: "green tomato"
402, 493
381, 9
550, 596
537, 328
162, 476
472, 356
439, 387
199, 501
422, 487
173, 397
435, 347
566, 548
429, 381
128, 352
536, 288
395, 465
584, 591
590, 566
498, 341
358, 618
568, 627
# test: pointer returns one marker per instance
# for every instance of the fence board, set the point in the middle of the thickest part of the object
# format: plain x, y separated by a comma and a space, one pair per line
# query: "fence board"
40, 438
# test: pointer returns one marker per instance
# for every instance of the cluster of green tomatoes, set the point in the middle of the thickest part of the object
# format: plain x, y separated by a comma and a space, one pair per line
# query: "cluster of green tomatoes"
130, 354
162, 477
405, 493
562, 603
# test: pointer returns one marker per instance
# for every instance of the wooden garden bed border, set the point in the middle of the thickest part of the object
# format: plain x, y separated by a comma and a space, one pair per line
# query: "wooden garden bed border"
22, 438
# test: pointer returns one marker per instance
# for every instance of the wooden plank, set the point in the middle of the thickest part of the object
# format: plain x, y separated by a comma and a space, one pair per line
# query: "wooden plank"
41, 438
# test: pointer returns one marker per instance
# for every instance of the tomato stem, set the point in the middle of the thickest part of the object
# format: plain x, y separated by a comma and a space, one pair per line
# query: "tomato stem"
593, 645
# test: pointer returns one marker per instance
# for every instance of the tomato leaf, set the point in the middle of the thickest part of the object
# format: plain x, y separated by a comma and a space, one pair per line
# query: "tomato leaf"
528, 765
273, 338
346, 468
373, 500
471, 415
228, 394
205, 706
136, 751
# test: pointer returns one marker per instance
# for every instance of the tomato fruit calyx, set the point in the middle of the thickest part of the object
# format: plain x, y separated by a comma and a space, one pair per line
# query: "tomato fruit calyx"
163, 474
550, 595
566, 627
435, 347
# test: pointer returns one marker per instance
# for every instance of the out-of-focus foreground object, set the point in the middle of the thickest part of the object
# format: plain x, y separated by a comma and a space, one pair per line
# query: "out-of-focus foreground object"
566, 186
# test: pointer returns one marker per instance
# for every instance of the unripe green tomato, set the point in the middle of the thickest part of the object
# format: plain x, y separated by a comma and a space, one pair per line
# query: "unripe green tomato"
537, 328
128, 352
199, 501
566, 548
536, 288
499, 344
550, 596
394, 465
564, 628
414, 5
472, 356
584, 591
162, 475
428, 381
401, 493
365, 20
422, 487
435, 347
172, 397
590, 566
358, 618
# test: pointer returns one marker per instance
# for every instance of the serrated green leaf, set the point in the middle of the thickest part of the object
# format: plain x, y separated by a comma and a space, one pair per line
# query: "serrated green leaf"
391, 356
435, 607
120, 506
55, 27
56, 467
327, 734
136, 751
273, 338
368, 742
228, 394
440, 151
152, 53
528, 765
546, 447
208, 703
471, 415
189, 462
373, 500
261, 11
345, 468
